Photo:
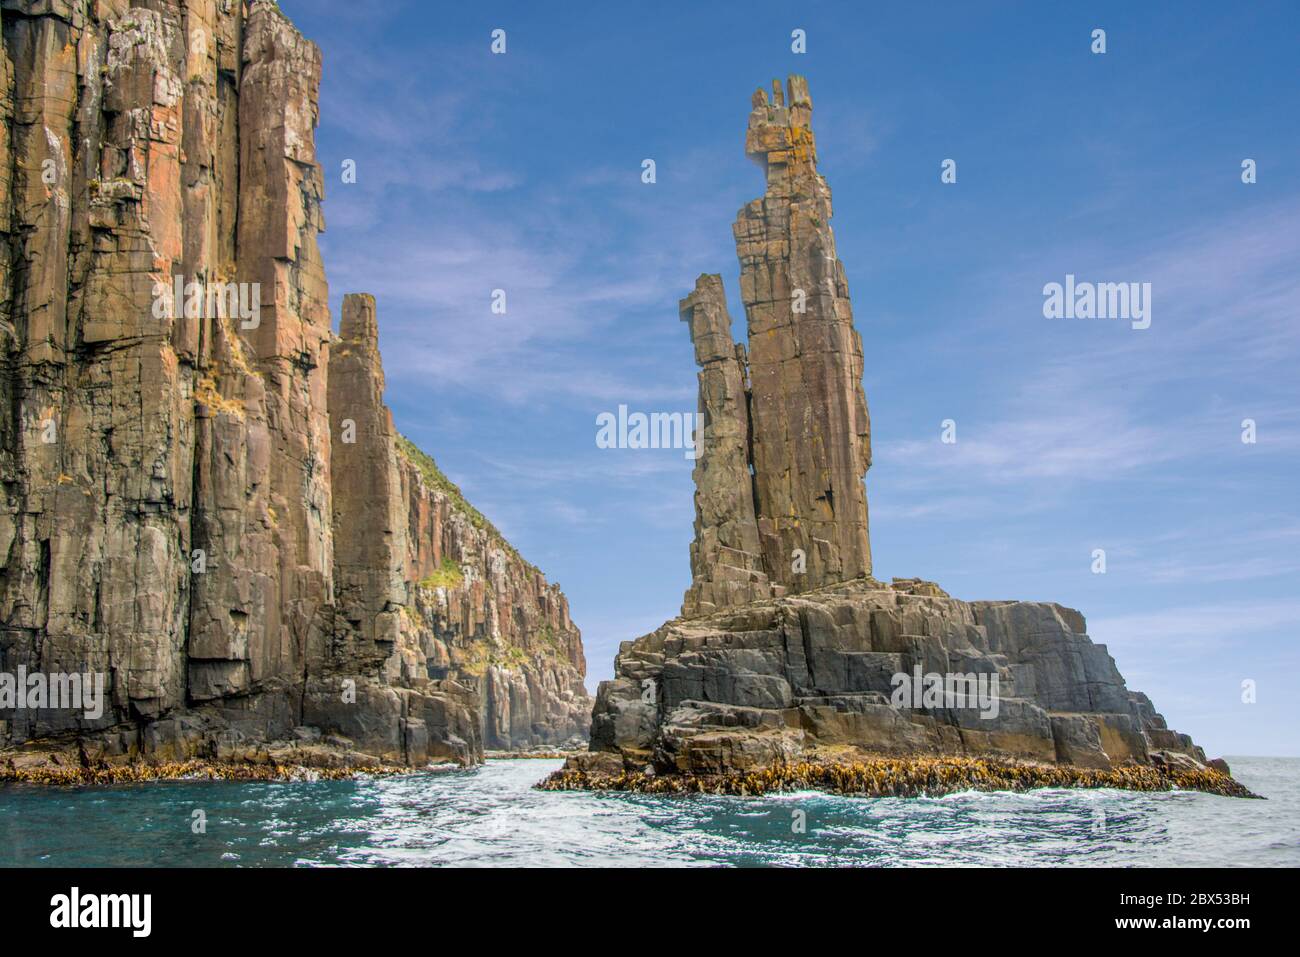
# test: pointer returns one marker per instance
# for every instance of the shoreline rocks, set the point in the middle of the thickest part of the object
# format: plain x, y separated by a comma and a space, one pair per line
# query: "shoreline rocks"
139, 773
794, 679
307, 756
895, 777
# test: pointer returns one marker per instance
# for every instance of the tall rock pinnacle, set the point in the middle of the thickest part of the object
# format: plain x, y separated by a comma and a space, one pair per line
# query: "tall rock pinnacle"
805, 410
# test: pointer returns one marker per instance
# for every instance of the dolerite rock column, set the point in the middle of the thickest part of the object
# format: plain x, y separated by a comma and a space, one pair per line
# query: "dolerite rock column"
814, 671
167, 516
370, 512
787, 437
726, 565
97, 427
263, 460
811, 432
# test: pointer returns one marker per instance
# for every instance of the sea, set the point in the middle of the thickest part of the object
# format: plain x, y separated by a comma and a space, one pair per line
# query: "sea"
493, 817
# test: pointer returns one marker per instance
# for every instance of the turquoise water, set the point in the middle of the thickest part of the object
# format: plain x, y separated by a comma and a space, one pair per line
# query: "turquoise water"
492, 817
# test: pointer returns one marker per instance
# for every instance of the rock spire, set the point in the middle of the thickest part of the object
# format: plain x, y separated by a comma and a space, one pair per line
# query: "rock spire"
790, 411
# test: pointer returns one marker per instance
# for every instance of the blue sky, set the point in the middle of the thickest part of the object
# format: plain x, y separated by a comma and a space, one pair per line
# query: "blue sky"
523, 172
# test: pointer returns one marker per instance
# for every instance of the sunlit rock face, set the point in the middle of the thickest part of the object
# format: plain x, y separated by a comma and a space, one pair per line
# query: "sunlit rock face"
782, 508
183, 513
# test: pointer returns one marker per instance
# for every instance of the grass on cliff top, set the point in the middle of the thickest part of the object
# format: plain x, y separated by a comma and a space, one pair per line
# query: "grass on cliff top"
434, 478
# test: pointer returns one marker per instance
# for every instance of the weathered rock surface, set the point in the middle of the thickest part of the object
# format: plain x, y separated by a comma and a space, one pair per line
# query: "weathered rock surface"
776, 661
813, 675
794, 402
481, 615
726, 556
181, 510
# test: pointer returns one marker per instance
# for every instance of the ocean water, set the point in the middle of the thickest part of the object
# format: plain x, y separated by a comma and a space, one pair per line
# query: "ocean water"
492, 817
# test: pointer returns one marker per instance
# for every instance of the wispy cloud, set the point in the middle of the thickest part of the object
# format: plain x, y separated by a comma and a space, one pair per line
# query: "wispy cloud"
1225, 294
1186, 631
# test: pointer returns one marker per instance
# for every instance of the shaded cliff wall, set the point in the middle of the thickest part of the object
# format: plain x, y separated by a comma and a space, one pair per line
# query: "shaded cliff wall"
168, 517
420, 567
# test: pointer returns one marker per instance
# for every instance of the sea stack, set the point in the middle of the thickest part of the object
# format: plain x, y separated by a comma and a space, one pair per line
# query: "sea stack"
789, 658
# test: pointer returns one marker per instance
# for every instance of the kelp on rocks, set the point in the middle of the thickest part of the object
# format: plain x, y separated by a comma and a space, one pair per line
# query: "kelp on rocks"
907, 777
139, 773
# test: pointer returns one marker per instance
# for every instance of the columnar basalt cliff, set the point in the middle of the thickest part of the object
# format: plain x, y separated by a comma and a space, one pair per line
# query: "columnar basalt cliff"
424, 578
205, 498
794, 399
780, 667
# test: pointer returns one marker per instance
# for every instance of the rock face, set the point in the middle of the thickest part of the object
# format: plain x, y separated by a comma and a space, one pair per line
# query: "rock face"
792, 412
726, 556
770, 665
205, 498
484, 617
814, 675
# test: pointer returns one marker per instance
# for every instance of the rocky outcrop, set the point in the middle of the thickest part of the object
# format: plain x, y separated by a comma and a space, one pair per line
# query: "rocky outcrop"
205, 500
483, 616
782, 672
795, 397
818, 676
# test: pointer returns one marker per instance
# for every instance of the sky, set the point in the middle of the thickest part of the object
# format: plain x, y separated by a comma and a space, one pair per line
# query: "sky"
522, 172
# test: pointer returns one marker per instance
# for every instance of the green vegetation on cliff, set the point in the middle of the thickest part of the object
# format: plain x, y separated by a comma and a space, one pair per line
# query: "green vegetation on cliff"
450, 575
435, 478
